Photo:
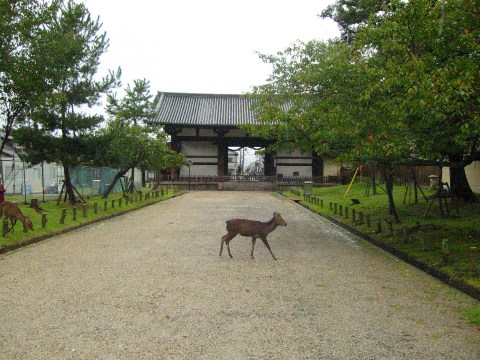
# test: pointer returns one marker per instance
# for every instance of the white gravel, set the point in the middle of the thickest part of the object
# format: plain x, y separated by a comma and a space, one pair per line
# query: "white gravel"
150, 285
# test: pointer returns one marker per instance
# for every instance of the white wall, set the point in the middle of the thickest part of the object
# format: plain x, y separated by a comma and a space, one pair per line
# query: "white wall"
473, 175
303, 171
330, 168
199, 148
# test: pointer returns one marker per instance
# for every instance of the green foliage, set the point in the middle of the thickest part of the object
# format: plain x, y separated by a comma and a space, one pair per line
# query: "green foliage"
401, 90
352, 15
58, 129
473, 315
128, 141
137, 106
125, 147
25, 71
427, 52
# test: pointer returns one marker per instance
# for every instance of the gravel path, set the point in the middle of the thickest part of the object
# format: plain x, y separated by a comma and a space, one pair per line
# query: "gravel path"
150, 285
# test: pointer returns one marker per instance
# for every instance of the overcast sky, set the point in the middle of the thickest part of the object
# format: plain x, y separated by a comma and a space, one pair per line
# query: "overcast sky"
204, 46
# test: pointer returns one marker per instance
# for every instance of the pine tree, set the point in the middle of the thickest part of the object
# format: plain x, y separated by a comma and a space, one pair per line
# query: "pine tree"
59, 129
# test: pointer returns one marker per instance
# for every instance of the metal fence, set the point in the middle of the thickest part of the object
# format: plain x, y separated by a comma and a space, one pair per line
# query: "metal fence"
46, 179
249, 178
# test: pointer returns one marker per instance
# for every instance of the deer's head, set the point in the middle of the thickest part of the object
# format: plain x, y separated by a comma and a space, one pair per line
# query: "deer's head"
29, 223
278, 219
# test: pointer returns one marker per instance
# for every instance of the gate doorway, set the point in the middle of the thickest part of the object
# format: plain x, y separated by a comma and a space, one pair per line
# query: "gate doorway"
246, 161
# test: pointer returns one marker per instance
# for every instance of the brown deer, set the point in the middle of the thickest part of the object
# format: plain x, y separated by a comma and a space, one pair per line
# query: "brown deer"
255, 229
12, 211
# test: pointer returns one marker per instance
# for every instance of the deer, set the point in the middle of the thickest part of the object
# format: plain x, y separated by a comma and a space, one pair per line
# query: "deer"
12, 211
251, 228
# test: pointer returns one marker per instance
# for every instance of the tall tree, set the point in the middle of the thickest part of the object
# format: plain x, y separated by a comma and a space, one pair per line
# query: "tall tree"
352, 15
320, 97
25, 75
428, 54
137, 107
59, 130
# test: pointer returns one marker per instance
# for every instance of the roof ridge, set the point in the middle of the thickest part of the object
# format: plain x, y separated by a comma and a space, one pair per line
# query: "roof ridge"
167, 93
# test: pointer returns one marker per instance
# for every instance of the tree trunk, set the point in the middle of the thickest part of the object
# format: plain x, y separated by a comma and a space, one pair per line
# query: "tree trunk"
458, 181
144, 183
112, 184
388, 175
374, 181
131, 181
69, 186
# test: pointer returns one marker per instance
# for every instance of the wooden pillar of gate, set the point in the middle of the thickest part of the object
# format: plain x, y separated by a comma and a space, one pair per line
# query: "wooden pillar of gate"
222, 159
269, 165
222, 167
175, 146
317, 165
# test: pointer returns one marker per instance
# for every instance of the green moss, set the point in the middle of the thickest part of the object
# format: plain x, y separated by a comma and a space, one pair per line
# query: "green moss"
473, 315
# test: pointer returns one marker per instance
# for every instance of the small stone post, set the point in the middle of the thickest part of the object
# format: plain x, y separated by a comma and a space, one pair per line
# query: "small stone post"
74, 210
64, 214
44, 220
474, 255
84, 210
390, 226
445, 251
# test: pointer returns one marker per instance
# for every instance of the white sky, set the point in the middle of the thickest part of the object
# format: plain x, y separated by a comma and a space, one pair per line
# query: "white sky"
203, 46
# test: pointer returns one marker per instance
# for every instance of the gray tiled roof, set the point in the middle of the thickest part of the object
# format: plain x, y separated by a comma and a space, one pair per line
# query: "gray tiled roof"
204, 109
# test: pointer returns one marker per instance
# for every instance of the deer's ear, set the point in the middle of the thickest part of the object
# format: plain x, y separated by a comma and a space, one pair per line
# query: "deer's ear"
275, 214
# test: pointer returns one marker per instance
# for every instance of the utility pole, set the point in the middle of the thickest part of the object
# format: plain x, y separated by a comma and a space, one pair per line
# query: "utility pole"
243, 160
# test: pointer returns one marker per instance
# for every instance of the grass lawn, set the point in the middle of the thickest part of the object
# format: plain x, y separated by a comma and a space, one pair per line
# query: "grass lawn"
442, 241
54, 213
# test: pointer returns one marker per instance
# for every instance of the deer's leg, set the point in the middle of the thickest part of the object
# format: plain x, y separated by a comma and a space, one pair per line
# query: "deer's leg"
221, 245
228, 246
254, 239
264, 239
226, 239
13, 222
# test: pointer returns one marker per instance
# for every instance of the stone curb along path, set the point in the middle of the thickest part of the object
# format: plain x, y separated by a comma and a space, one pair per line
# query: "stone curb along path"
457, 283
